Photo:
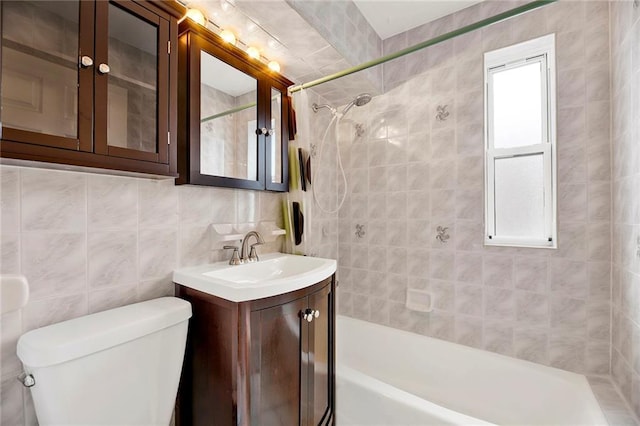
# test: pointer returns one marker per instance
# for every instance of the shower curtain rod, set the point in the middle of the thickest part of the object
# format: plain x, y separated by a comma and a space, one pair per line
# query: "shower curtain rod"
439, 39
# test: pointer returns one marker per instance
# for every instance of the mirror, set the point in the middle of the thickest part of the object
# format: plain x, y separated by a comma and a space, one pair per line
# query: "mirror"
228, 120
275, 143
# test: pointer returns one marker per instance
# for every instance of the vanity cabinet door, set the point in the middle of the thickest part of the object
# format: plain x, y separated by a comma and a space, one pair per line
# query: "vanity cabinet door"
278, 368
292, 362
320, 356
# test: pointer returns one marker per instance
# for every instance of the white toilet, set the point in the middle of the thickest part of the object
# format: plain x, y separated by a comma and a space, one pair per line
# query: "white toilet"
117, 367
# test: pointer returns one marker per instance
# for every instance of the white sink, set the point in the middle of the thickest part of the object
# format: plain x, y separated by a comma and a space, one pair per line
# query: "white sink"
274, 274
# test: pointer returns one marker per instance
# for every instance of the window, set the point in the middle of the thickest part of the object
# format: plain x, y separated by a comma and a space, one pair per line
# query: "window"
520, 140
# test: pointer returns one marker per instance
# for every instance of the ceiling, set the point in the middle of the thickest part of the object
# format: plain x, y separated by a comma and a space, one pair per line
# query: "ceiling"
294, 33
391, 17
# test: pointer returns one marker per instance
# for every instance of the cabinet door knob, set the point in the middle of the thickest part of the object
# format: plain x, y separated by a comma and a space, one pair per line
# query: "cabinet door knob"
104, 69
308, 315
86, 61
264, 131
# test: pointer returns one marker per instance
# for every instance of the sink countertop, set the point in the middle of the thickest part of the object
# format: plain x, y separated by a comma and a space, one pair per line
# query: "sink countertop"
274, 274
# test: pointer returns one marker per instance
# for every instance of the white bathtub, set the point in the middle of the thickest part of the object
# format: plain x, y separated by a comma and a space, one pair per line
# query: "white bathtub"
391, 377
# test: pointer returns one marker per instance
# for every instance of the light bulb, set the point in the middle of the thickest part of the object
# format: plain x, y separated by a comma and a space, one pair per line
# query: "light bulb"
196, 16
253, 52
274, 66
228, 36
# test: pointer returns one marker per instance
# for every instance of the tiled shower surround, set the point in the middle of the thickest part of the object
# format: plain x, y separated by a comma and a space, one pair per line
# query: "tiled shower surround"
89, 242
417, 168
625, 65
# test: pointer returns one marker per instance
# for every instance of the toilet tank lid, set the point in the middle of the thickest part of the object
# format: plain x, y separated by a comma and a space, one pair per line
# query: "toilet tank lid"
68, 340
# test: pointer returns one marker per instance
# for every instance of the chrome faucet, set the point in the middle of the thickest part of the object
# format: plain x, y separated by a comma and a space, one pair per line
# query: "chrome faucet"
252, 256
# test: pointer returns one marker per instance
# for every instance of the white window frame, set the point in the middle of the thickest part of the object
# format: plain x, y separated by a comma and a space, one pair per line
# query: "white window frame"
542, 50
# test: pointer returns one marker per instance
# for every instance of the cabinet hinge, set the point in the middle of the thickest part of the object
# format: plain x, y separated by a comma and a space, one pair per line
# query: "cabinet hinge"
169, 47
168, 138
78, 145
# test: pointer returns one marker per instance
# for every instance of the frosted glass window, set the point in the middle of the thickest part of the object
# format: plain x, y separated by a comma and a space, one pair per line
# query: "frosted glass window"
519, 197
517, 106
520, 153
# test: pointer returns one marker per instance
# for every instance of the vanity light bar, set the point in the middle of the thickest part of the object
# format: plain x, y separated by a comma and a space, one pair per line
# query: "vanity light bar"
197, 16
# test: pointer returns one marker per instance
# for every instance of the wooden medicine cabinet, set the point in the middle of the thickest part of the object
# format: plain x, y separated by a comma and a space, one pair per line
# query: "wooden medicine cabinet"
233, 126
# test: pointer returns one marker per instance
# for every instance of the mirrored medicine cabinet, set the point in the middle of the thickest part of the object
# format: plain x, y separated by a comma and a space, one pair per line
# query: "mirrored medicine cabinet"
233, 128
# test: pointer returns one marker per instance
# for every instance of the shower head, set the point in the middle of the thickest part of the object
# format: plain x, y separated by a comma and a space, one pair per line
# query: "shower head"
361, 99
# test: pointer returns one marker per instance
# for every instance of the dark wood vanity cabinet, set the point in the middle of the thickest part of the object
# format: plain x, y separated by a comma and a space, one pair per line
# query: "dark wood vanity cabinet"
260, 362
91, 83
233, 127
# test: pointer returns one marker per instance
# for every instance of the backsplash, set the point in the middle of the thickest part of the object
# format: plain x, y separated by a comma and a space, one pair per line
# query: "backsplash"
89, 242
625, 56
418, 169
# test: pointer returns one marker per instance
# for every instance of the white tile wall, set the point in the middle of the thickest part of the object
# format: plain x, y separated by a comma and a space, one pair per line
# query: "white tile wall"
625, 100
89, 242
548, 306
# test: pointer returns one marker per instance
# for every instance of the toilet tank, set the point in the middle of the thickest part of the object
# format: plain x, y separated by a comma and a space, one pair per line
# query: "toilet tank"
116, 367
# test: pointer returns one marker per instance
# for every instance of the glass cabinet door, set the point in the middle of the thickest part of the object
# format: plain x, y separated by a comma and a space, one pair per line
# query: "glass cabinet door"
131, 62
47, 57
225, 124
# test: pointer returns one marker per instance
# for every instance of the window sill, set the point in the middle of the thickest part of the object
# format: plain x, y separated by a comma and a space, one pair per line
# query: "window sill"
519, 243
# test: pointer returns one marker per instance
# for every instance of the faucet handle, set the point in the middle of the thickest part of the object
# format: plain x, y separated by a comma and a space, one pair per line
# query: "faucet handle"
235, 257
253, 254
